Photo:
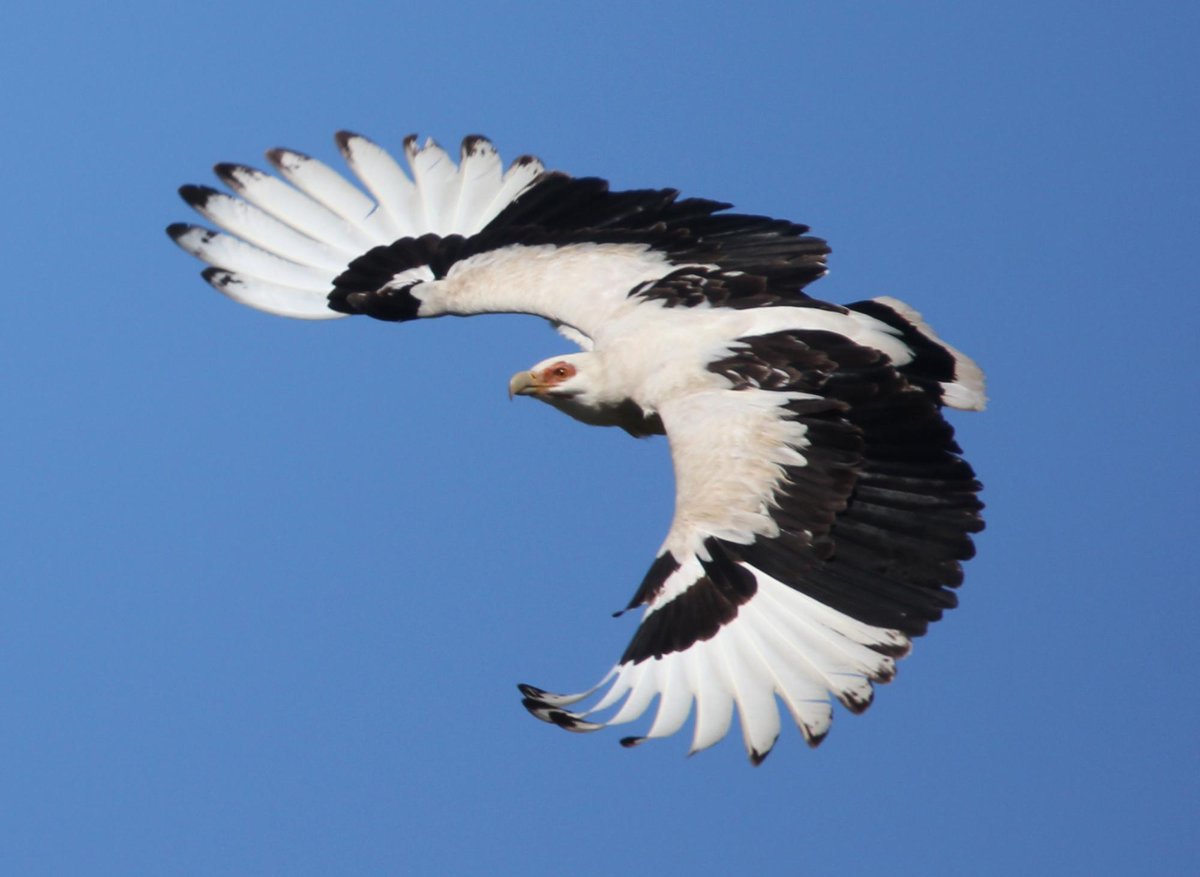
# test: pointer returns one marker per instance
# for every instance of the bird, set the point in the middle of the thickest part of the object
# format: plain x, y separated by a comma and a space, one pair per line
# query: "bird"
823, 509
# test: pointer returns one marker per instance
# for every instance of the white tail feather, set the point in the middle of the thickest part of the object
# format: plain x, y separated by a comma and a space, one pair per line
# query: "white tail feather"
966, 391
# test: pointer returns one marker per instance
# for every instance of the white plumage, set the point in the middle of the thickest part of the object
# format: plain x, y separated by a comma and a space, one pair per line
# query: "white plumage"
822, 507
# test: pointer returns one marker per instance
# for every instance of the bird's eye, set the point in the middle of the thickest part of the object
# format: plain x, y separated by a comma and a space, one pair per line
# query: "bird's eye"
560, 372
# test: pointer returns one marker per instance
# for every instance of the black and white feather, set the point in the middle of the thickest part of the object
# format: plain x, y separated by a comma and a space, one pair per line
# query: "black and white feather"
823, 509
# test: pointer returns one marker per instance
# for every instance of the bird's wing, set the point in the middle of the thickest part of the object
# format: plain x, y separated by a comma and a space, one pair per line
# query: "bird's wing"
822, 511
471, 238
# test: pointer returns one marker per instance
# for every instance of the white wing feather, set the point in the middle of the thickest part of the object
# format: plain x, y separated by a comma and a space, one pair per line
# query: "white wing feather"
729, 449
395, 193
293, 207
240, 257
301, 234
284, 243
262, 295
437, 182
481, 174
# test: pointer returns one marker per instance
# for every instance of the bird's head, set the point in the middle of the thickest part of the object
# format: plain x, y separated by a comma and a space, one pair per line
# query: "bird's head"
555, 381
574, 384
580, 386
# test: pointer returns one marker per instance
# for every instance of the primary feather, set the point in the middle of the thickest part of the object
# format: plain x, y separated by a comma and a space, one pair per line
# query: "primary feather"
823, 509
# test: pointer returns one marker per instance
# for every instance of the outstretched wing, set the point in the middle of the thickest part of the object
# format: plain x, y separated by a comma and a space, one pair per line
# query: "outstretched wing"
822, 511
284, 241
469, 239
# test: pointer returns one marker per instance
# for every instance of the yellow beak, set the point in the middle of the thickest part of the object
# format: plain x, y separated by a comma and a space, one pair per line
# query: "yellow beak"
524, 384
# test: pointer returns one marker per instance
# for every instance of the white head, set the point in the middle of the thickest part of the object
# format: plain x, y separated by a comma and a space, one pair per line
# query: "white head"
576, 385
560, 381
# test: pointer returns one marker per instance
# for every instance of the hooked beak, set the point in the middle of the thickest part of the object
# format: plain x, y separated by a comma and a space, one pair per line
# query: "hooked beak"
524, 384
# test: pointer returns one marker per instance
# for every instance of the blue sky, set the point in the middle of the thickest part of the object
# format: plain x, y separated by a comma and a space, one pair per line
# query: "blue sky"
267, 586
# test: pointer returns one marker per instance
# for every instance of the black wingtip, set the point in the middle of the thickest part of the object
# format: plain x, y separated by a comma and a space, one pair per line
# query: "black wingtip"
568, 721
857, 705
473, 142
815, 740
197, 196
531, 691
757, 758
342, 139
218, 278
630, 742
176, 230
278, 156
563, 719
227, 172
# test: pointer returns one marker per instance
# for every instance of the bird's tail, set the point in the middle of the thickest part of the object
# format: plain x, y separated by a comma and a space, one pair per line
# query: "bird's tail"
283, 241
946, 373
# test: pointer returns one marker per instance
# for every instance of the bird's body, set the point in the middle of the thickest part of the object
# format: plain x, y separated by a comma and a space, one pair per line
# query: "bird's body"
822, 507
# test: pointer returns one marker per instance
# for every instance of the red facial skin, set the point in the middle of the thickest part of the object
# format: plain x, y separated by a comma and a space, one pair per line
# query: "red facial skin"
555, 374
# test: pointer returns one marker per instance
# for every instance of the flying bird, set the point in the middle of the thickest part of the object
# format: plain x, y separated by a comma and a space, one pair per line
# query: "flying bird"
822, 507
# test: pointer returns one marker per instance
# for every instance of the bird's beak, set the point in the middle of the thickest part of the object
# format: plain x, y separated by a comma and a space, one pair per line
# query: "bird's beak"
523, 384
